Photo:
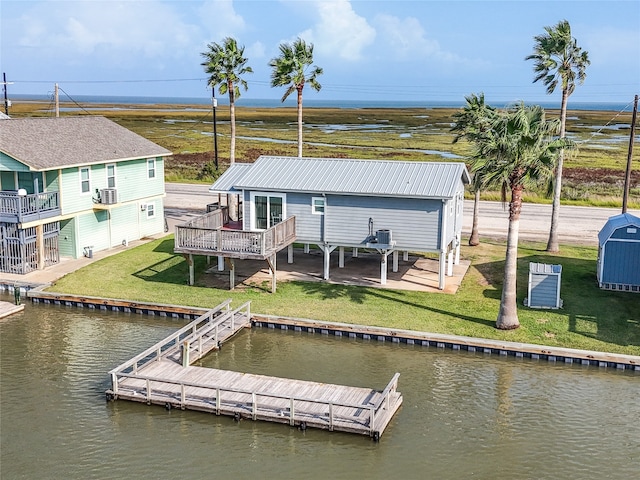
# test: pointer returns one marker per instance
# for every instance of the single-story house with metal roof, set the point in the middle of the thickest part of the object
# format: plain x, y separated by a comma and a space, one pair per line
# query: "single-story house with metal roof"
618, 265
385, 206
73, 185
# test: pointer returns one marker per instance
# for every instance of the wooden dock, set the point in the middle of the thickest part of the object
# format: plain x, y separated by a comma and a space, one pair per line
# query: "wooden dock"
163, 375
7, 308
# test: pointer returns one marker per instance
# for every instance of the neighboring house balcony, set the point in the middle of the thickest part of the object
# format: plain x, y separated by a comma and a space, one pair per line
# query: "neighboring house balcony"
214, 234
16, 208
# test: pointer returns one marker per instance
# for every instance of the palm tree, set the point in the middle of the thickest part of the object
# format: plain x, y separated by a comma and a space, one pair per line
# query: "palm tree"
226, 63
471, 123
518, 151
558, 61
290, 70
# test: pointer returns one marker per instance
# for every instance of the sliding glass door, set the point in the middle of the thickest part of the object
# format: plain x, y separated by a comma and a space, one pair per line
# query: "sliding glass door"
267, 209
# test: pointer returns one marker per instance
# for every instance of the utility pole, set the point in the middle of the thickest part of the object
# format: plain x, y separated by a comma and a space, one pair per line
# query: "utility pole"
56, 97
7, 102
214, 104
627, 178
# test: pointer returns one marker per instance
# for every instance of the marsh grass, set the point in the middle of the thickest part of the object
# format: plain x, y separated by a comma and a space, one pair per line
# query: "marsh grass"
591, 318
368, 133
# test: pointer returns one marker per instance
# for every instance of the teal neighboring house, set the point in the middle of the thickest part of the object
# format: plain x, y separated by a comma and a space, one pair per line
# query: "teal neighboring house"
70, 186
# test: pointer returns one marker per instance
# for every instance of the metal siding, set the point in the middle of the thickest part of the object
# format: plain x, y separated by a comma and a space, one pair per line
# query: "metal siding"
616, 222
414, 223
621, 263
623, 233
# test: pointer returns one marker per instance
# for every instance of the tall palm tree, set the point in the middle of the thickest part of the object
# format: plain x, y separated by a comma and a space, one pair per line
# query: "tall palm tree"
470, 123
291, 70
558, 61
226, 63
518, 151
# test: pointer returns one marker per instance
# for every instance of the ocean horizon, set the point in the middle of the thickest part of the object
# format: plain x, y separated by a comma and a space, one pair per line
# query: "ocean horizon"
309, 103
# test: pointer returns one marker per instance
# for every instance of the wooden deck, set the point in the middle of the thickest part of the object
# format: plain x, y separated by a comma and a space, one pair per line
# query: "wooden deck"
163, 375
207, 235
7, 308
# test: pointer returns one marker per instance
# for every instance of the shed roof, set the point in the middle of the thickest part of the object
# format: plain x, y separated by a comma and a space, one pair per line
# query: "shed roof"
544, 268
616, 222
350, 177
48, 143
227, 181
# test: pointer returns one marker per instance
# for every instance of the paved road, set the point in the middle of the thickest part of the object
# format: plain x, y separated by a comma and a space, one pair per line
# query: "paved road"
577, 224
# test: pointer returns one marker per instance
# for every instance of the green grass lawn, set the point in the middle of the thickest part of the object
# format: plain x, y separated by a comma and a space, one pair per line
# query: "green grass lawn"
591, 318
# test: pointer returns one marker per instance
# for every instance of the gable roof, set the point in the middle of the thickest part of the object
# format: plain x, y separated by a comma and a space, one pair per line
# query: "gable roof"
48, 143
616, 222
349, 177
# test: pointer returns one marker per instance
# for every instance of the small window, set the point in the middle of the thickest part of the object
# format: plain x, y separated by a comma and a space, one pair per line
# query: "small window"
85, 183
111, 176
632, 230
151, 210
317, 205
151, 168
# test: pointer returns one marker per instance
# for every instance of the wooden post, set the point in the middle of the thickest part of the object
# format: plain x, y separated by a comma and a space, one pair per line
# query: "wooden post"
395, 261
220, 263
217, 401
441, 269
327, 258
291, 413
232, 274
331, 417
148, 391
354, 254
405, 256
290, 253
40, 246
306, 248
185, 353
450, 263
189, 260
341, 257
254, 406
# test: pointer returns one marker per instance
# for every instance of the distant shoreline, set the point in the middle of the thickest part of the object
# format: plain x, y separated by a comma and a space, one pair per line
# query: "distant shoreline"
308, 103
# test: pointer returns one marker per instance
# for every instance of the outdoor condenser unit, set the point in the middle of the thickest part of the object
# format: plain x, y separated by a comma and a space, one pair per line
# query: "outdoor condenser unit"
108, 196
384, 237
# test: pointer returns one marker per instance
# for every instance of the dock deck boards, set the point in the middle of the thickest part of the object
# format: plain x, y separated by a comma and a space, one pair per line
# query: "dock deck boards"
7, 308
161, 376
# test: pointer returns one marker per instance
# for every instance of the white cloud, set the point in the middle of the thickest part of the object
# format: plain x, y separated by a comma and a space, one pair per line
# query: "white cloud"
220, 19
406, 38
255, 50
115, 30
340, 31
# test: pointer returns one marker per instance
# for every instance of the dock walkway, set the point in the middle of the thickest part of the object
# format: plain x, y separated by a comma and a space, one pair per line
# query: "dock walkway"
7, 308
163, 375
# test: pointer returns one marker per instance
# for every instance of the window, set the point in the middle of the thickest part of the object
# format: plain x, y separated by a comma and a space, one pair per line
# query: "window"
151, 210
151, 168
267, 209
111, 176
85, 183
317, 205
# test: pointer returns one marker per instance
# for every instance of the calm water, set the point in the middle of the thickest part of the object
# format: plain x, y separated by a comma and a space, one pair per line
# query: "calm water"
464, 415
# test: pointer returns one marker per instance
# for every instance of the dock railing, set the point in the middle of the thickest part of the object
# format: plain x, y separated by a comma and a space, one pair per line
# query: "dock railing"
170, 343
205, 235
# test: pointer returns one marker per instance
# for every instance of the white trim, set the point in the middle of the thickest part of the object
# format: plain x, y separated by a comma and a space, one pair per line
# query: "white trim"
88, 169
115, 181
314, 211
252, 207
155, 168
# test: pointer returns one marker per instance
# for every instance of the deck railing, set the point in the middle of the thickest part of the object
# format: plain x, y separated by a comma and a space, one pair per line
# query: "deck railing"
19, 208
205, 235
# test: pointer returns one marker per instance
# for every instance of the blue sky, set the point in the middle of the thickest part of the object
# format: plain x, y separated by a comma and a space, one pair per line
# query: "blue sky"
369, 50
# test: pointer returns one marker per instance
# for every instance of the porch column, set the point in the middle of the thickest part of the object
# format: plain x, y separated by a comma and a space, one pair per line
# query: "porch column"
383, 269
232, 273
40, 246
450, 264
405, 255
327, 258
306, 248
191, 269
341, 257
441, 269
395, 261
290, 253
457, 259
220, 263
355, 252
272, 268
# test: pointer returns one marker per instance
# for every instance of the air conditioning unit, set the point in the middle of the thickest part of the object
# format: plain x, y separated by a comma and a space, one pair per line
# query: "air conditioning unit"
108, 196
384, 237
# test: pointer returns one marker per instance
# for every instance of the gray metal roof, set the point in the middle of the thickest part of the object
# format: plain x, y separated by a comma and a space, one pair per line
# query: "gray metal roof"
48, 143
616, 222
227, 181
352, 177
